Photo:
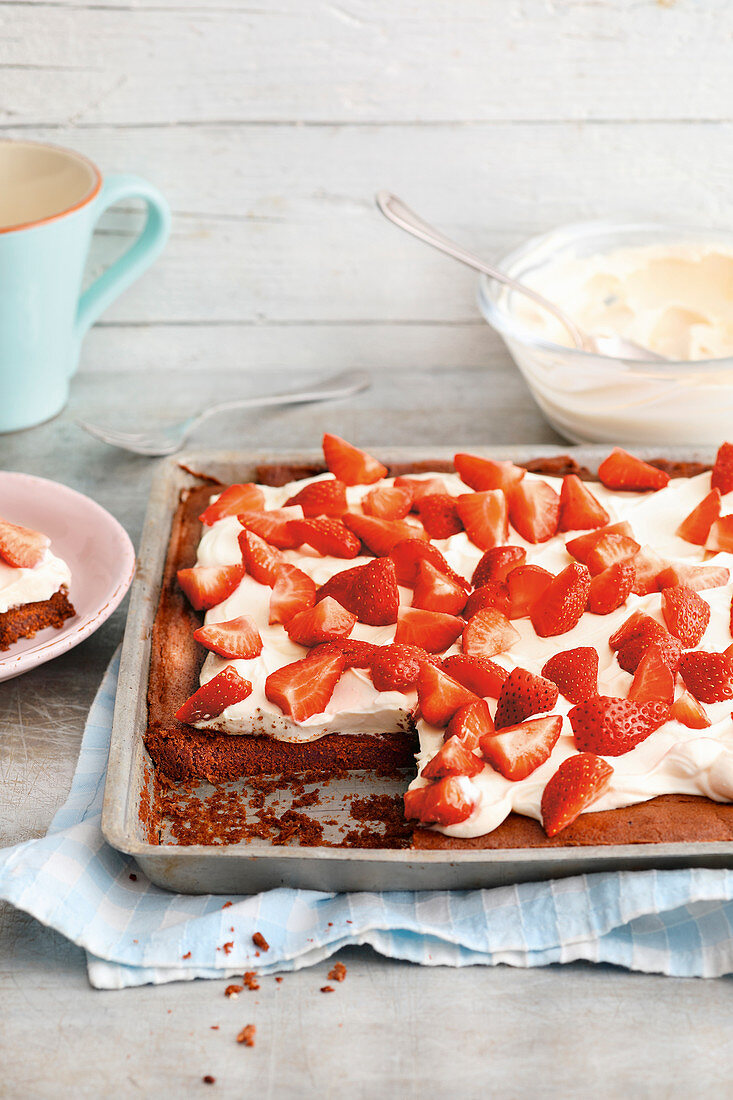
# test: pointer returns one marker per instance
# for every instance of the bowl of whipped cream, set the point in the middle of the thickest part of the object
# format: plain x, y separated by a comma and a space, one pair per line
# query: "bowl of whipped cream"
667, 289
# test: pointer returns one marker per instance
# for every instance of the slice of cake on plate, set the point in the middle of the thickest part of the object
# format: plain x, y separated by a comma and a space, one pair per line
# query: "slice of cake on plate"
34, 584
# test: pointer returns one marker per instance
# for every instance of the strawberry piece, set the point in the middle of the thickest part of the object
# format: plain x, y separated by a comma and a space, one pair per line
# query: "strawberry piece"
722, 475
329, 536
321, 498
720, 536
470, 724
689, 712
262, 561
491, 594
420, 487
439, 516
21, 547
234, 499
478, 674
439, 696
522, 695
579, 509
517, 750
380, 536
648, 566
218, 693
305, 687
396, 667
578, 782
612, 727
431, 630
349, 464
317, 624
485, 473
653, 681
608, 550
525, 585
447, 801
611, 588
435, 592
575, 671
293, 591
624, 471
563, 602
686, 614
708, 676
487, 633
484, 515
534, 510
356, 654
369, 590
698, 577
452, 758
407, 554
695, 528
387, 503
207, 585
634, 637
236, 639
581, 547
497, 563
271, 526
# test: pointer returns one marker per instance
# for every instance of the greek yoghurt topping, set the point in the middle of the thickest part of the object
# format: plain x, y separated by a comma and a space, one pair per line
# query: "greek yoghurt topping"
19, 587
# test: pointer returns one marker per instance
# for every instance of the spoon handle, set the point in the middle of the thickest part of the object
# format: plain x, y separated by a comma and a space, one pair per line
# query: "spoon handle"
397, 212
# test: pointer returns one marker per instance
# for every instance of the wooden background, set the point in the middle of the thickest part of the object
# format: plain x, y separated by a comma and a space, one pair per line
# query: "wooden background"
269, 124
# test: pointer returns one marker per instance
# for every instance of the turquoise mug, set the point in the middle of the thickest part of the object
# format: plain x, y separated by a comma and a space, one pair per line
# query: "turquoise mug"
50, 201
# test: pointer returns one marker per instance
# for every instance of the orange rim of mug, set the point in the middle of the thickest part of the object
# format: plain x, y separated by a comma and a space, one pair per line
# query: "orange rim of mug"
92, 194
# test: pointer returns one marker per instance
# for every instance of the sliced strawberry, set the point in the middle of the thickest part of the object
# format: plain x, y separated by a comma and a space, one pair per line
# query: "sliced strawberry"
208, 585
575, 671
581, 547
522, 695
578, 782
470, 724
407, 554
563, 602
720, 536
452, 758
653, 681
634, 637
396, 667
623, 471
689, 712
579, 509
440, 696
431, 630
610, 549
234, 499
525, 585
387, 502
317, 624
647, 566
485, 473
487, 633
380, 536
435, 592
517, 750
698, 577
262, 561
420, 487
722, 475
445, 802
686, 614
273, 527
484, 515
478, 674
491, 594
369, 590
236, 639
708, 676
439, 516
534, 510
321, 498
304, 688
696, 527
497, 563
293, 591
218, 693
612, 727
349, 464
357, 654
20, 547
329, 536
611, 588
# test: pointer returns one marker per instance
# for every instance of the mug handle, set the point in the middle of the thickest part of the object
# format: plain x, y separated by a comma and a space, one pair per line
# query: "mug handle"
139, 255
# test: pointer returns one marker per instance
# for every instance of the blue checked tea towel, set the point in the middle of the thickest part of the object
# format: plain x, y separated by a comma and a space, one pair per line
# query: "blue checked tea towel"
670, 922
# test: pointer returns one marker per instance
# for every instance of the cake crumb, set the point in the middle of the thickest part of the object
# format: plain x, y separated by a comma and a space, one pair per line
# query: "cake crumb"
187, 955
247, 1035
278, 980
338, 973
132, 877
228, 946
233, 991
327, 988
259, 941
208, 1079
250, 980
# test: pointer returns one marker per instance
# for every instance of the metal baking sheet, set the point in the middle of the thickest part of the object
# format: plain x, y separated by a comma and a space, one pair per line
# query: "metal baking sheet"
263, 863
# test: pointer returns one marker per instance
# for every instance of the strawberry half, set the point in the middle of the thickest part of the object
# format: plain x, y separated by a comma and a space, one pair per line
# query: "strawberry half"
525, 585
624, 471
439, 516
445, 802
478, 674
491, 594
262, 561
612, 727
575, 671
420, 487
487, 633
369, 590
407, 554
634, 637
578, 782
689, 712
321, 498
484, 515
21, 547
695, 528
647, 566
396, 667
431, 630
497, 563
708, 676
452, 758
234, 499
304, 688
218, 693
698, 577
317, 624
272, 526
561, 606
435, 592
518, 750
686, 614
387, 502
579, 509
326, 535
380, 536
722, 475
522, 695
236, 639
720, 536
440, 696
608, 550
208, 585
293, 591
356, 654
581, 547
486, 473
653, 681
349, 464
611, 588
534, 510
470, 724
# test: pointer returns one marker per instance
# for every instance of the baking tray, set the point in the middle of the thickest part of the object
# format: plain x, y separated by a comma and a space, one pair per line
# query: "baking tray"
259, 864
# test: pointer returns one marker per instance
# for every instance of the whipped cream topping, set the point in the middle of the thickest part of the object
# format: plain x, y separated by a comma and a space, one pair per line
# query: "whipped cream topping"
19, 587
673, 759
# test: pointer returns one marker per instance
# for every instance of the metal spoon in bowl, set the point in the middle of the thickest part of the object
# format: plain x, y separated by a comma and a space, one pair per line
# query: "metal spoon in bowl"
614, 346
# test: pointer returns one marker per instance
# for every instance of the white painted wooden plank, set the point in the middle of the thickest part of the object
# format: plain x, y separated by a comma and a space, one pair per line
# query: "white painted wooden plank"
75, 65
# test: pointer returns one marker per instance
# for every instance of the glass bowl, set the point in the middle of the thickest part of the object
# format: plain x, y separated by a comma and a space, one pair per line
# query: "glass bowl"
591, 398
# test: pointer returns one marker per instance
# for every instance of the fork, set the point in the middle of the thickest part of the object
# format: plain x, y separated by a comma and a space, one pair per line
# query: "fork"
170, 438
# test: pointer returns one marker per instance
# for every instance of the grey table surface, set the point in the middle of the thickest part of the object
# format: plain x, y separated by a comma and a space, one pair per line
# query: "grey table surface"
390, 1029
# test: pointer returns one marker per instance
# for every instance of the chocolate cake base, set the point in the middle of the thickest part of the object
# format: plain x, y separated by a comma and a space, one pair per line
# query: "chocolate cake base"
26, 621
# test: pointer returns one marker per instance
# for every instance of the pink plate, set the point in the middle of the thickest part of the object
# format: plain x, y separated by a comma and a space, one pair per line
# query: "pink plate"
96, 548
